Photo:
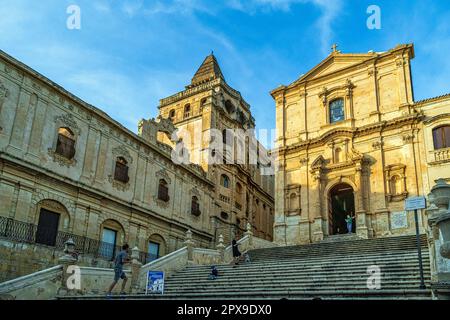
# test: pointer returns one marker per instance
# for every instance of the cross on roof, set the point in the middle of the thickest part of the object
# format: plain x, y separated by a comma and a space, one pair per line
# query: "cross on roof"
334, 47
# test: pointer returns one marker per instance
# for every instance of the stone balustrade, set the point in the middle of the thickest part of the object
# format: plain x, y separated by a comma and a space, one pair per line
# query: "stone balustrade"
49, 283
438, 213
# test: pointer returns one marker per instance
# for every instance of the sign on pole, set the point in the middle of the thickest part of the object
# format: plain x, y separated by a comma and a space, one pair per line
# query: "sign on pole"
415, 203
155, 282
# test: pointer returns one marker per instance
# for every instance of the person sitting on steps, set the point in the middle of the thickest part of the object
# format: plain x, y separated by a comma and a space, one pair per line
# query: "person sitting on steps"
214, 273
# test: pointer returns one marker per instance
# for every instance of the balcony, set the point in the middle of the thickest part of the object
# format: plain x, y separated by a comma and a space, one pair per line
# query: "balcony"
441, 156
224, 198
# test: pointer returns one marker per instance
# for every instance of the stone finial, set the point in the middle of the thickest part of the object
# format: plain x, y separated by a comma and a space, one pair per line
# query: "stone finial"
249, 233
221, 248
135, 253
69, 258
69, 246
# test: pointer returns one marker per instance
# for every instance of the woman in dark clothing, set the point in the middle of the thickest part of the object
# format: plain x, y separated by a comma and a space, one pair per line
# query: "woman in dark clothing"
236, 252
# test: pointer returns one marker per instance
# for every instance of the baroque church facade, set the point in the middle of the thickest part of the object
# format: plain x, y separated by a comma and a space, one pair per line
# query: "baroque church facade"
67, 169
351, 140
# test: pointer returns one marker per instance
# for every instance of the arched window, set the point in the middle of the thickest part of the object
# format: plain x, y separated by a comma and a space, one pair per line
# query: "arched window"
156, 247
224, 215
441, 137
65, 145
203, 102
163, 190
225, 181
229, 106
121, 170
172, 114
187, 111
396, 185
336, 110
195, 206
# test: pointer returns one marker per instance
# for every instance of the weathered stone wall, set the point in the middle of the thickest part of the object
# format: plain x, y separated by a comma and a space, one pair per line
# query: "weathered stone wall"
83, 190
20, 259
42, 285
214, 105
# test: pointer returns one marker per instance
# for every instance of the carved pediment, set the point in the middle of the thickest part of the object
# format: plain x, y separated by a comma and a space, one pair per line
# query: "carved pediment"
333, 63
68, 120
163, 175
122, 151
319, 163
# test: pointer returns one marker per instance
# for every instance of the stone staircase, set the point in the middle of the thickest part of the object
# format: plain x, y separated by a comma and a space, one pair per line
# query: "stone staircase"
329, 270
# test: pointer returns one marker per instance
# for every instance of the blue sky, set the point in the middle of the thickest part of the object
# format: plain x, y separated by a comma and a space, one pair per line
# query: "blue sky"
130, 53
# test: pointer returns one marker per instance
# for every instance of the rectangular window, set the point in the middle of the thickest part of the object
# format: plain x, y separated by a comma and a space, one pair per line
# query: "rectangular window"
336, 110
195, 208
153, 251
47, 228
121, 172
163, 193
108, 245
65, 147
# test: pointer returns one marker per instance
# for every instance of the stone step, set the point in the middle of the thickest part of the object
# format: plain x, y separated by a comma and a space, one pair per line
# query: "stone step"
349, 284
384, 271
330, 249
393, 242
293, 278
395, 294
305, 265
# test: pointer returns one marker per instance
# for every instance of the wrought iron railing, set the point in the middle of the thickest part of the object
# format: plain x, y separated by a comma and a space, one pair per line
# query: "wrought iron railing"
30, 233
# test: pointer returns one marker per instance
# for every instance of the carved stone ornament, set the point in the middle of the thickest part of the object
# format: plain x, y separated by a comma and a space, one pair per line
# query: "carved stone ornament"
3, 92
122, 151
163, 174
160, 203
119, 185
195, 192
61, 160
69, 121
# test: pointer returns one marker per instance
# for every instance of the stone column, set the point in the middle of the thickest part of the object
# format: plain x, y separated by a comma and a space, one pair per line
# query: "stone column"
189, 243
135, 269
68, 259
361, 224
317, 218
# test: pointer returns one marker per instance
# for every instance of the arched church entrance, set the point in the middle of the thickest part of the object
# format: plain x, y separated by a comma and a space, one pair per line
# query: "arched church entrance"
341, 202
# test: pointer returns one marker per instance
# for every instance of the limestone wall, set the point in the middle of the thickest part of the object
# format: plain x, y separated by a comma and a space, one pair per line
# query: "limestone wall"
20, 259
42, 285
83, 190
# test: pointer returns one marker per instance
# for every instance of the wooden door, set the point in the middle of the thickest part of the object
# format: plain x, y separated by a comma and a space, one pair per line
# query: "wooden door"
47, 229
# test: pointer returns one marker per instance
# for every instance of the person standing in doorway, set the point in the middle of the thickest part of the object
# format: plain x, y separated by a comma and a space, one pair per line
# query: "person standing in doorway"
119, 261
349, 221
